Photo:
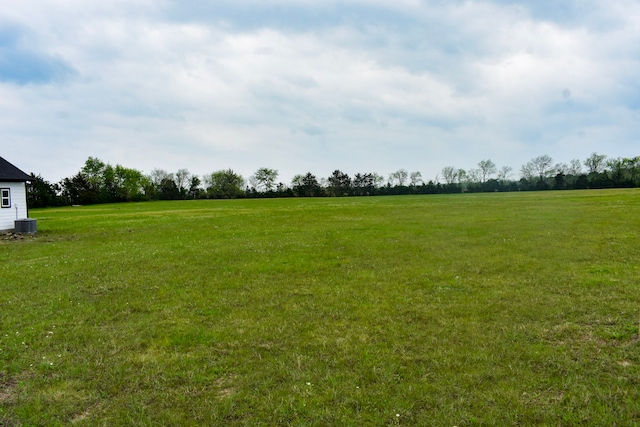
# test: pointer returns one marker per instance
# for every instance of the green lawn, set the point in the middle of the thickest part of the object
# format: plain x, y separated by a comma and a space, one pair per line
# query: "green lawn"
458, 310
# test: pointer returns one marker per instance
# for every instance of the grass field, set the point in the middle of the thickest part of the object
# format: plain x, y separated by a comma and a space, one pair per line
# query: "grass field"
459, 310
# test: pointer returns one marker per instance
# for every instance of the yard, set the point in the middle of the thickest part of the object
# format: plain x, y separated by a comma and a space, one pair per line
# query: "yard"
458, 310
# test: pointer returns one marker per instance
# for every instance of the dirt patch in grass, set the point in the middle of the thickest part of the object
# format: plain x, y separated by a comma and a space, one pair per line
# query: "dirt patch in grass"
225, 387
77, 418
8, 387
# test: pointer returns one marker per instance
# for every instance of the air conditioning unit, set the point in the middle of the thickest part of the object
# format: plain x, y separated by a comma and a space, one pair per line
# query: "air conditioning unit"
27, 226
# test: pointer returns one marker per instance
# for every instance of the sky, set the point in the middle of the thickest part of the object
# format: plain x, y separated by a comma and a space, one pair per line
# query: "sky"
313, 86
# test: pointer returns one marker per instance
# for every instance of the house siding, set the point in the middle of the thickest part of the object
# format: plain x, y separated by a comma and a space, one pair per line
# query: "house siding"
19, 200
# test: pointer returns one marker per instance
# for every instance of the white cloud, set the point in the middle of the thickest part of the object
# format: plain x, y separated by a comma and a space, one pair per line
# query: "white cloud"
356, 85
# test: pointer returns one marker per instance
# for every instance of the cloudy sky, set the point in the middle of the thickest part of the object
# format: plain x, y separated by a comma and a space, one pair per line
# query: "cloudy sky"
306, 85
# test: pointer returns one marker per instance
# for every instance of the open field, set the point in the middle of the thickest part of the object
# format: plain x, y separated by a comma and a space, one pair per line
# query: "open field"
484, 309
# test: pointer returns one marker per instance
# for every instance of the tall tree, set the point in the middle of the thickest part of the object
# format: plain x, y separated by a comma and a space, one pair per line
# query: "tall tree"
42, 193
575, 167
194, 187
168, 190
415, 179
487, 168
527, 171
449, 174
504, 173
364, 184
471, 180
130, 184
158, 175
378, 180
595, 163
182, 179
225, 184
540, 166
77, 190
339, 183
93, 170
306, 185
633, 167
265, 179
399, 177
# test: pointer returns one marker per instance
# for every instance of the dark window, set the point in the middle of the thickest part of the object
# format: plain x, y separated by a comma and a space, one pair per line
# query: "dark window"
5, 196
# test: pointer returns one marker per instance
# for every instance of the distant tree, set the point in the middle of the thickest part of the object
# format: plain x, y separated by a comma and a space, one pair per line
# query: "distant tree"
93, 170
378, 180
182, 179
78, 190
358, 181
559, 181
527, 171
296, 181
311, 185
158, 175
582, 182
129, 184
632, 166
491, 185
595, 163
415, 179
449, 174
364, 184
224, 184
194, 187
99, 176
339, 184
462, 177
540, 166
560, 169
109, 189
42, 193
487, 168
265, 179
306, 185
620, 175
575, 167
504, 173
168, 190
398, 178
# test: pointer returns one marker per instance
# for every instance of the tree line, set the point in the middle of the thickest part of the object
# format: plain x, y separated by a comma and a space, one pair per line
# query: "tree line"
100, 182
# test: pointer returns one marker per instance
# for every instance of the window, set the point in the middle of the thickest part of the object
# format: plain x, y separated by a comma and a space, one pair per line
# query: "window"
5, 197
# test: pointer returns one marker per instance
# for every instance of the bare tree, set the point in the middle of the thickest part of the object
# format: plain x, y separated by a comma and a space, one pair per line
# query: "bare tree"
398, 177
575, 167
504, 173
487, 168
159, 175
462, 176
474, 175
415, 179
449, 174
560, 169
527, 171
540, 166
595, 163
182, 179
378, 180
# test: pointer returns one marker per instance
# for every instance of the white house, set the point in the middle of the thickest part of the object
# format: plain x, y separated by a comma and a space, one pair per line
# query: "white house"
13, 195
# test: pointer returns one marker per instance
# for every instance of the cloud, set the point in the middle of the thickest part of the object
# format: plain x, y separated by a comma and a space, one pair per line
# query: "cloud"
306, 85
22, 64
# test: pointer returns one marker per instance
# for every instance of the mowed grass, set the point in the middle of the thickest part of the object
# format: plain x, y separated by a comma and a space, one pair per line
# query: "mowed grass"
458, 310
